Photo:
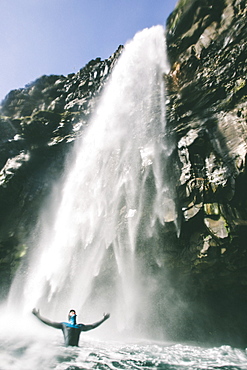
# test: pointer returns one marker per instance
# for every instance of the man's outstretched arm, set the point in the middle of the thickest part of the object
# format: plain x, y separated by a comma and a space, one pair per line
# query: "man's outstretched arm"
96, 324
56, 325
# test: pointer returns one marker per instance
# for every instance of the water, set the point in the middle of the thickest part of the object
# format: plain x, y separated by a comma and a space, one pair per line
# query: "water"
30, 355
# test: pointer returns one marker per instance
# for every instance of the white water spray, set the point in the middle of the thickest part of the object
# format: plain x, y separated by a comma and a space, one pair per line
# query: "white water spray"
114, 193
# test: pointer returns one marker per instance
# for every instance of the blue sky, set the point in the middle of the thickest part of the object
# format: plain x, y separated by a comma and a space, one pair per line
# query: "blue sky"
40, 37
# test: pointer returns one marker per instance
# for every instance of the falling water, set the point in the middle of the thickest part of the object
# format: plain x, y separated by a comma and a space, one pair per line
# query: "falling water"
91, 252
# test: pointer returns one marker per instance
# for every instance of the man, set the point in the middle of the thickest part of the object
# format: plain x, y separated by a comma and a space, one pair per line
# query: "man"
71, 330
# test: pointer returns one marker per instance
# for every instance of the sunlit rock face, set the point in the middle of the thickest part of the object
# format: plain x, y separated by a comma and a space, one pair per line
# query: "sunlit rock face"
207, 115
39, 123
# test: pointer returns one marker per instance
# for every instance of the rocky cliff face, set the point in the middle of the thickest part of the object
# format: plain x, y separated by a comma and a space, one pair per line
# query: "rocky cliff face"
207, 117
206, 120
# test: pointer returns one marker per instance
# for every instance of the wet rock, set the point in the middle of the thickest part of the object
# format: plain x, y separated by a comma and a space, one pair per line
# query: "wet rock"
207, 118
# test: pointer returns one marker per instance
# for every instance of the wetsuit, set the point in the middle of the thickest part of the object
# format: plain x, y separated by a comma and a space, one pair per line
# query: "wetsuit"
71, 331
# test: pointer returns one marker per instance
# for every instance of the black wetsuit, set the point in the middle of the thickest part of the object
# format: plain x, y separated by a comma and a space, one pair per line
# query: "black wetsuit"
71, 332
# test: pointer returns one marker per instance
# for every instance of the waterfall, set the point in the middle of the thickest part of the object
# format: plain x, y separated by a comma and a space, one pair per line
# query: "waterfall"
99, 235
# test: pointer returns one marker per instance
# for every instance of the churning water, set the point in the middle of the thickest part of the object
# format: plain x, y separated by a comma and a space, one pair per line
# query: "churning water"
96, 247
37, 355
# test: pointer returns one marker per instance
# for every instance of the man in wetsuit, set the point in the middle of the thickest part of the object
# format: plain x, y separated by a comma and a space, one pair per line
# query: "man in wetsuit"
71, 330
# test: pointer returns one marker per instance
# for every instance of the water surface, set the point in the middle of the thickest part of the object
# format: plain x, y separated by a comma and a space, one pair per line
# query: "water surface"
37, 355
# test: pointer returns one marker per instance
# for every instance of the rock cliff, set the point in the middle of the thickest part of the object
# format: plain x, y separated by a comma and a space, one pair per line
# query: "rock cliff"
207, 116
206, 120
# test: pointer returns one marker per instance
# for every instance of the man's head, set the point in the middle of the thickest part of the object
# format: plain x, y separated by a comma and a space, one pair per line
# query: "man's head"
72, 317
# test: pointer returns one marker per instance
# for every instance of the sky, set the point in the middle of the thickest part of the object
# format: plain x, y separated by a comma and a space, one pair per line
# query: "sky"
44, 37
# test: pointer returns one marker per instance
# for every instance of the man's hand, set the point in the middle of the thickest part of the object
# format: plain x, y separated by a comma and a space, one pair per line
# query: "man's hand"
35, 312
106, 316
